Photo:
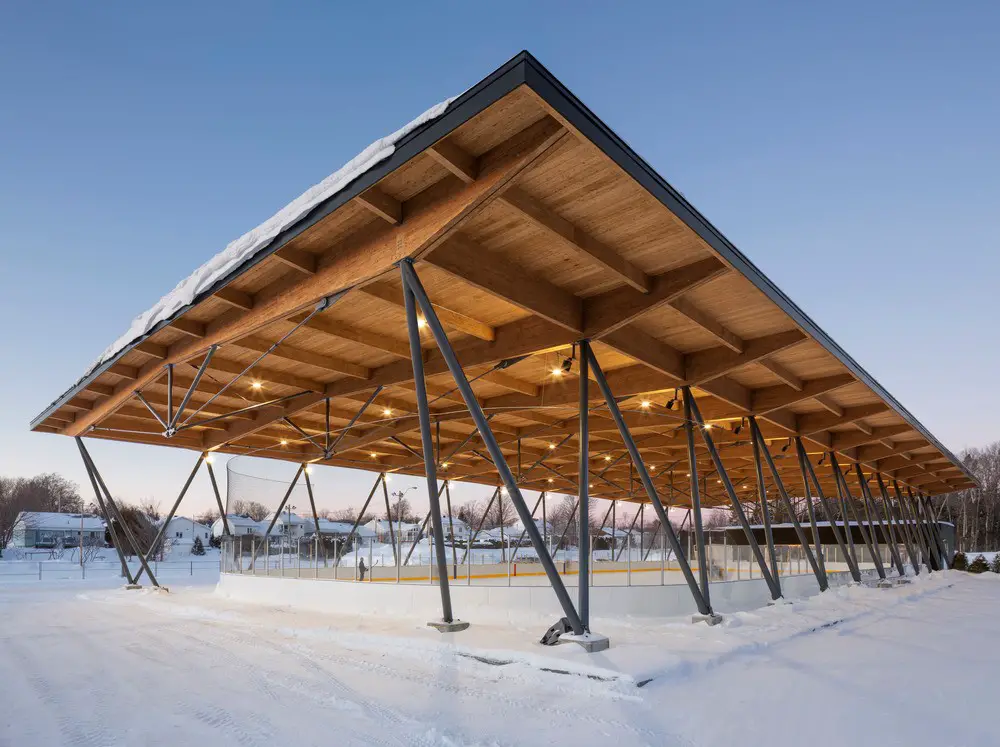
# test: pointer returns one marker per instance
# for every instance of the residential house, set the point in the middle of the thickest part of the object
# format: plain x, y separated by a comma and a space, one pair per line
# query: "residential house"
181, 531
44, 529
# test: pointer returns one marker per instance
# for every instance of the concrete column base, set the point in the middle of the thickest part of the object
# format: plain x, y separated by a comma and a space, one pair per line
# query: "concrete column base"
591, 642
712, 619
448, 627
132, 587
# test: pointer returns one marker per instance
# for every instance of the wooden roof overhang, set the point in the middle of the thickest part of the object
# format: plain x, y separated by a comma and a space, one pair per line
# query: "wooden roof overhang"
532, 225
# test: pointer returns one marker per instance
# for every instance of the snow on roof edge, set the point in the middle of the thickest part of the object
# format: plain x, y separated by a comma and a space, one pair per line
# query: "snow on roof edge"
250, 244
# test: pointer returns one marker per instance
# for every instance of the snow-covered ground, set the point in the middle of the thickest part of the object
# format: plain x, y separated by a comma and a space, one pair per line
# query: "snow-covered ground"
104, 666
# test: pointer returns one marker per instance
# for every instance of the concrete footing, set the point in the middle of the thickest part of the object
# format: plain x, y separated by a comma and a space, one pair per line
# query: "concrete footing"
591, 642
712, 619
448, 627
133, 587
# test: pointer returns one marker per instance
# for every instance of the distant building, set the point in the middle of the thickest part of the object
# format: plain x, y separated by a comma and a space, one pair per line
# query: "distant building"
239, 525
405, 529
182, 531
44, 529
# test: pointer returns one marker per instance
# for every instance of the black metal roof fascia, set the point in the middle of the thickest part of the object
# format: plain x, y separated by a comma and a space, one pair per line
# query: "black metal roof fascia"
569, 106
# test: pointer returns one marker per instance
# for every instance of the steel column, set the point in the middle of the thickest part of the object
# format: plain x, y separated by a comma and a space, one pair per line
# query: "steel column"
412, 283
218, 497
807, 466
482, 520
116, 514
699, 533
925, 538
361, 513
937, 533
701, 598
764, 507
772, 581
895, 529
940, 552
912, 546
312, 500
513, 553
277, 513
865, 501
583, 488
163, 527
818, 569
111, 526
871, 542
845, 519
811, 512
888, 530
388, 520
916, 542
427, 444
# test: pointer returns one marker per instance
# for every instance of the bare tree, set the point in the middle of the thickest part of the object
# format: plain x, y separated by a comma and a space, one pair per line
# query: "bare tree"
250, 509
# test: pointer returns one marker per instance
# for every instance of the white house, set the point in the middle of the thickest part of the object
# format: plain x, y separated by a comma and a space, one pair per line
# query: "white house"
182, 531
46, 529
404, 529
455, 526
289, 525
544, 527
239, 525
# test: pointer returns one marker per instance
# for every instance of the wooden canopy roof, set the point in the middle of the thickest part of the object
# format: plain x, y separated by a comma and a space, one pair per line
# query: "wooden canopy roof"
532, 226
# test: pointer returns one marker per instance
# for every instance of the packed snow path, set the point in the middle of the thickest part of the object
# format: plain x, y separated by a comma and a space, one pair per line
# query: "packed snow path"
100, 666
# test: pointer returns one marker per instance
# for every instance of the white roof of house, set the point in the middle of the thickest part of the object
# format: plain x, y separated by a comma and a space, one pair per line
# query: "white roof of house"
284, 518
383, 526
194, 523
342, 527
52, 520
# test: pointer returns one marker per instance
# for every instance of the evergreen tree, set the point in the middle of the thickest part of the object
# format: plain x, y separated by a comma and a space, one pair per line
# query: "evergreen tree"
960, 562
199, 549
978, 565
995, 565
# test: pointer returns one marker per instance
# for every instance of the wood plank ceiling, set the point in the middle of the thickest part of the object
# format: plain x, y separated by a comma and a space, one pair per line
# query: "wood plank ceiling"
527, 237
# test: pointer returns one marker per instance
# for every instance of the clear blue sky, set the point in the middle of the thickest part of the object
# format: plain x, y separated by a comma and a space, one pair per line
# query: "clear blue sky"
851, 151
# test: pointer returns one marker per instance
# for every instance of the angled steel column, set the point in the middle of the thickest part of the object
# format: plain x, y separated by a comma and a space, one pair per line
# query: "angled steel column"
312, 500
427, 444
117, 515
412, 283
701, 598
868, 534
940, 552
699, 531
277, 514
930, 556
764, 507
895, 529
810, 508
218, 496
913, 543
865, 501
569, 523
818, 570
807, 466
482, 520
361, 513
583, 488
842, 496
513, 553
628, 536
937, 533
888, 531
849, 502
771, 580
915, 535
388, 520
451, 519
111, 526
173, 509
